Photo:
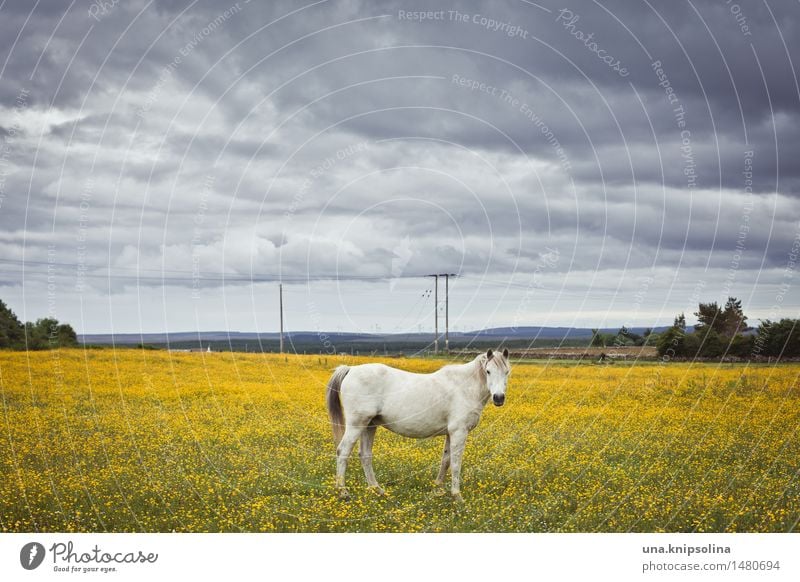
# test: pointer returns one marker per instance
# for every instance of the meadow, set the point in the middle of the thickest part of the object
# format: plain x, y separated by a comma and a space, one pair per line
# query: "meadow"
151, 441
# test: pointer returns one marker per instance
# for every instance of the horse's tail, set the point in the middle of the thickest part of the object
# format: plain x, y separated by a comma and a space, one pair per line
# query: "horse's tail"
334, 403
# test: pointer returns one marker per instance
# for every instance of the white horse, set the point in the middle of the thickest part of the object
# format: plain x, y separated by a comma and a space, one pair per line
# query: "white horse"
447, 402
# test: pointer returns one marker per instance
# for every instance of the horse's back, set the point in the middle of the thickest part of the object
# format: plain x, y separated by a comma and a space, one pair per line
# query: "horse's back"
383, 378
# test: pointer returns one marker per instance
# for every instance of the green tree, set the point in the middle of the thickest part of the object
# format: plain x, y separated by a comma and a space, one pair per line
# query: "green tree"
35, 335
672, 343
733, 318
691, 345
631, 337
717, 333
66, 336
12, 333
620, 338
709, 315
598, 341
625, 337
47, 333
679, 322
710, 343
741, 346
778, 339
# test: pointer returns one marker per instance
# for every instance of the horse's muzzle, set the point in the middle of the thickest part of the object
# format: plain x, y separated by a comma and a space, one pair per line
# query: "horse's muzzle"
498, 399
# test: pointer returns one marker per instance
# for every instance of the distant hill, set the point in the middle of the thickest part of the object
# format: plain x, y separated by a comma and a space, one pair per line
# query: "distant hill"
532, 332
313, 340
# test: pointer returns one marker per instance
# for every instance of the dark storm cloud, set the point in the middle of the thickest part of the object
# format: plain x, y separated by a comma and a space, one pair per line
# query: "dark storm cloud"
269, 137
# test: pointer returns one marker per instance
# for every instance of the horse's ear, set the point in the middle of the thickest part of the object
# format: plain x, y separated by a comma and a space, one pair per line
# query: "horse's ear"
489, 354
505, 353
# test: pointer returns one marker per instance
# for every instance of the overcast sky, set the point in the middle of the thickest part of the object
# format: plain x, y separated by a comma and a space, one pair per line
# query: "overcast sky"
164, 164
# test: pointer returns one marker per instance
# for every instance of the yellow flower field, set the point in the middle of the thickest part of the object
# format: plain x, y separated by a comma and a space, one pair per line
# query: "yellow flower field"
131, 440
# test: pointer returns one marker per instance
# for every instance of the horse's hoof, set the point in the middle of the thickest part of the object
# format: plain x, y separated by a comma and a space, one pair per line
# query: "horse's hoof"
344, 495
438, 489
457, 498
378, 490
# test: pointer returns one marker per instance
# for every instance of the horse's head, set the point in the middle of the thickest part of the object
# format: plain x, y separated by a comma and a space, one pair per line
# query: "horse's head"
497, 369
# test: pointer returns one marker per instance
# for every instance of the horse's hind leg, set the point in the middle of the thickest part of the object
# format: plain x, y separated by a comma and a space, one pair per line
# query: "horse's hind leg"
351, 434
439, 482
365, 452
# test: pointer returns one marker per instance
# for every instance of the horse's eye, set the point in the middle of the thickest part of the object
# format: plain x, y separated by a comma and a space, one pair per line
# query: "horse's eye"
488, 372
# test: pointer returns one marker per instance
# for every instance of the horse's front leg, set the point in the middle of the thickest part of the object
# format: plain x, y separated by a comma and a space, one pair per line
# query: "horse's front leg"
439, 482
458, 438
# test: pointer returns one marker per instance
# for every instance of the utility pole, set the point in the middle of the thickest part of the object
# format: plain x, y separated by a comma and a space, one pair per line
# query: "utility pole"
446, 309
447, 314
280, 295
435, 313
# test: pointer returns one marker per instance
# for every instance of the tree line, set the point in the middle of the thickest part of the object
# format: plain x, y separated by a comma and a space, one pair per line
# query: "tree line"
624, 337
42, 334
723, 331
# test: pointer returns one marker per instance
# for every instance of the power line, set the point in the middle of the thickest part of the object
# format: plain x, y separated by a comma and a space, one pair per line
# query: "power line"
417, 306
